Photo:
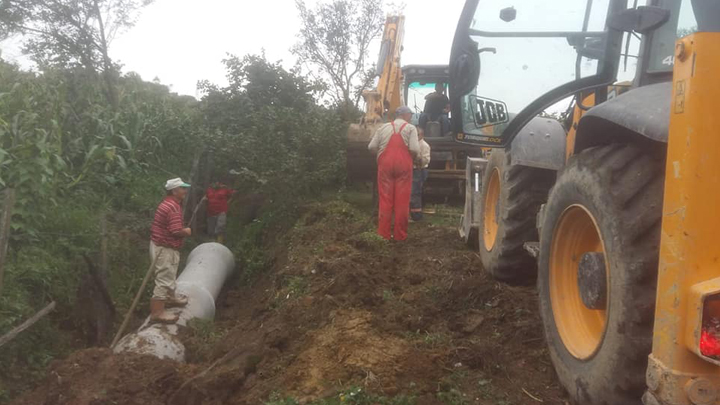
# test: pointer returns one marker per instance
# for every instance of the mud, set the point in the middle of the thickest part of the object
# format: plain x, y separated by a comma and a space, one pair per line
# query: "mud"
339, 309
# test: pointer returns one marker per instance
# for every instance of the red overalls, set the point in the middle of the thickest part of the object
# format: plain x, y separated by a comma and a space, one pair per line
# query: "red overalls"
395, 167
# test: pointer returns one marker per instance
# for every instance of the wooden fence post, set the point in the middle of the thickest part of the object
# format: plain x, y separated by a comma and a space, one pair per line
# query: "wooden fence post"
190, 199
103, 247
5, 230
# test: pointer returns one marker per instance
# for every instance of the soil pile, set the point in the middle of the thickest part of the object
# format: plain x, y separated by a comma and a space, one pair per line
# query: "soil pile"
343, 311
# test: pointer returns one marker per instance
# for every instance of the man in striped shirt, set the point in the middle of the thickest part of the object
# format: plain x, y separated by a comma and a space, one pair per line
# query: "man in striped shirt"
166, 238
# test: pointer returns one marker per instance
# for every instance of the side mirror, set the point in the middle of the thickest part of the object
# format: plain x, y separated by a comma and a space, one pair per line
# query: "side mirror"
508, 14
464, 72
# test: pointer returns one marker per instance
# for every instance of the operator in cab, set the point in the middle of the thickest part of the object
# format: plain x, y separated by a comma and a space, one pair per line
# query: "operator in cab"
435, 102
396, 146
436, 110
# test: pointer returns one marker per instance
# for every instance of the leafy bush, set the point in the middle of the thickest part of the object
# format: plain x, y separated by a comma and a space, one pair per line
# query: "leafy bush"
71, 158
267, 125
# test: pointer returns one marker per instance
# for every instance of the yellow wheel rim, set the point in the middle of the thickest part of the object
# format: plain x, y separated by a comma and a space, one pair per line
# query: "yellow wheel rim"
490, 216
581, 329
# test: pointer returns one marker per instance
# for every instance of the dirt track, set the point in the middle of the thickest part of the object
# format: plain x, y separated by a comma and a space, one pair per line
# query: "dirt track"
341, 311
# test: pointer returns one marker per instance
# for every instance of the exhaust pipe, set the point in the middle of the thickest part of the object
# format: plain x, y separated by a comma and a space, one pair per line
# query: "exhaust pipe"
208, 267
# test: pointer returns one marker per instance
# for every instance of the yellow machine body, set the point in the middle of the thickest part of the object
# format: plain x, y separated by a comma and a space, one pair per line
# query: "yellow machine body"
689, 270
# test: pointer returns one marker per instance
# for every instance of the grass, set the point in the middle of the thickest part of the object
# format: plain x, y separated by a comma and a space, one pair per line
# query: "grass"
358, 197
428, 339
202, 335
450, 392
350, 396
453, 396
434, 292
388, 295
371, 241
444, 216
297, 286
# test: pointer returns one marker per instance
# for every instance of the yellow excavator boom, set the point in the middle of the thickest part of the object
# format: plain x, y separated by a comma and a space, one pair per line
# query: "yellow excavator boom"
382, 101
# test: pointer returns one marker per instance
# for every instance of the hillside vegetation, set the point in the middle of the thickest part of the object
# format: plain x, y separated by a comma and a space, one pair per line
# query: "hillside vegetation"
73, 158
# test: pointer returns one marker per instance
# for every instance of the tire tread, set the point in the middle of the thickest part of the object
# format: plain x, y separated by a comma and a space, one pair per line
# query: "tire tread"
633, 179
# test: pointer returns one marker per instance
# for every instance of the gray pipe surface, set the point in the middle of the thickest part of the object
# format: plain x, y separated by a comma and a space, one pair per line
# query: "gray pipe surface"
208, 267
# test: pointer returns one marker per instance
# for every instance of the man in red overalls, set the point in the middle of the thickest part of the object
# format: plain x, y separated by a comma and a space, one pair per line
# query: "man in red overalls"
396, 145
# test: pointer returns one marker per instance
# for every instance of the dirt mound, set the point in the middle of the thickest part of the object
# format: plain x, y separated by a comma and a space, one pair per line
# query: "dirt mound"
342, 309
97, 377
348, 349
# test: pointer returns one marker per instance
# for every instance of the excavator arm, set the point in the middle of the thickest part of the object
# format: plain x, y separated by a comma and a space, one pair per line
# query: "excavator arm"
382, 101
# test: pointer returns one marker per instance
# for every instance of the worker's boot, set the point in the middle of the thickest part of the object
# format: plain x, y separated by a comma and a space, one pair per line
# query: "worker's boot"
176, 300
158, 313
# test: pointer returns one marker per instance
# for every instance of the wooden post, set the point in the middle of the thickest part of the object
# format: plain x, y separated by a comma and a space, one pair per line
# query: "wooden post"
103, 247
5, 230
190, 200
100, 284
209, 167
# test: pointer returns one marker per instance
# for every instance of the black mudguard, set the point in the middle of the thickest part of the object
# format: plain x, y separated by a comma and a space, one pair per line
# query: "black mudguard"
541, 144
644, 112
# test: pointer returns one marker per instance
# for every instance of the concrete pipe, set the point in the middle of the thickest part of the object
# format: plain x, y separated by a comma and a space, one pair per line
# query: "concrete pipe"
208, 267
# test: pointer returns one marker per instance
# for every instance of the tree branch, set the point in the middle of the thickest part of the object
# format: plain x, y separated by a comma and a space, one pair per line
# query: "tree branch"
30, 322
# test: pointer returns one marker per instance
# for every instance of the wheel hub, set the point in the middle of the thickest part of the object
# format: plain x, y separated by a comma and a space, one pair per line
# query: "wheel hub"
592, 280
576, 292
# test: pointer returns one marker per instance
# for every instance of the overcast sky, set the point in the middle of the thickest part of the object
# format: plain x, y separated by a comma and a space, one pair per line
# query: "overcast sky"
183, 41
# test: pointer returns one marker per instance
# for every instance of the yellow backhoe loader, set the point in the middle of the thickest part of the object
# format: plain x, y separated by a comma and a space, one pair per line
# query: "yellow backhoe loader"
399, 86
606, 196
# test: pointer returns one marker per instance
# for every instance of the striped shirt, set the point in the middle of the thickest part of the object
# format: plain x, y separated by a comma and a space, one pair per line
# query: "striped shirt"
166, 229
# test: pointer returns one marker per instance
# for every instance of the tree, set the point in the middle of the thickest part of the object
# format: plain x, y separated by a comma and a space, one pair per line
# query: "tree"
71, 33
334, 40
266, 125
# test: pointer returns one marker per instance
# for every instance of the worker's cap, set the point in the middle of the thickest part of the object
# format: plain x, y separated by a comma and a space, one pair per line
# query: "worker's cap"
175, 183
403, 110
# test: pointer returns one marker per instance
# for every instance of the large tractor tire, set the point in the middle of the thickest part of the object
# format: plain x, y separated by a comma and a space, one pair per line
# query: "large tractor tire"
597, 274
510, 200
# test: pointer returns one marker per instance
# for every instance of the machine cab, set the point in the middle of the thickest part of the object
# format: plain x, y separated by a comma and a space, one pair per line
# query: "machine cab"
512, 61
420, 90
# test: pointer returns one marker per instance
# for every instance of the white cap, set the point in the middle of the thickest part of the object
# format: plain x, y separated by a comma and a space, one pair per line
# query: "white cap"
175, 183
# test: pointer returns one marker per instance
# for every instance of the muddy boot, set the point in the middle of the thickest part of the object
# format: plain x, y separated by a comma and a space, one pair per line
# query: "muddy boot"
176, 300
158, 314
